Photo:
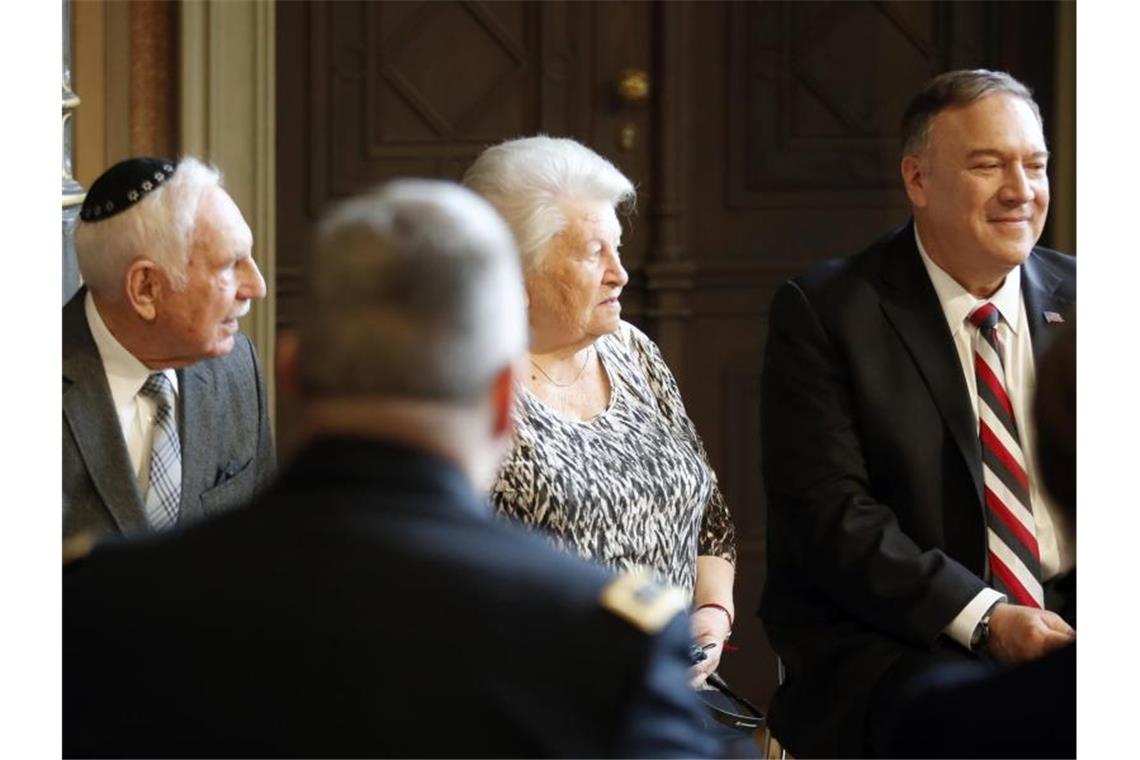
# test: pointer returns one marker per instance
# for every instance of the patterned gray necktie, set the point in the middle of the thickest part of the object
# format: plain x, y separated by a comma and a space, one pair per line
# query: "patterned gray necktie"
165, 489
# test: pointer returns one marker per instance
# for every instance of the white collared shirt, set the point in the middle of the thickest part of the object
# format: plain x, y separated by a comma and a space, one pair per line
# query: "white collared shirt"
125, 378
1057, 549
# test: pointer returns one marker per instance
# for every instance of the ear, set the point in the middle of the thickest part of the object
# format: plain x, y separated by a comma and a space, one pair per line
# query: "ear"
144, 285
288, 348
503, 400
913, 171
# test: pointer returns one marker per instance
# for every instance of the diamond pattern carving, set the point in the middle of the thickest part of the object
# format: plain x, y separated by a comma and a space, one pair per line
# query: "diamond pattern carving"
419, 88
825, 65
819, 88
415, 75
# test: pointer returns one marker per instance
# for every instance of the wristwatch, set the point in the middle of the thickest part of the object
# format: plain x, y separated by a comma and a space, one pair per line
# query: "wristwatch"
981, 632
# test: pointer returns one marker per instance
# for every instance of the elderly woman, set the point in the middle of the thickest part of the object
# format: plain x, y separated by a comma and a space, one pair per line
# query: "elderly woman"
605, 458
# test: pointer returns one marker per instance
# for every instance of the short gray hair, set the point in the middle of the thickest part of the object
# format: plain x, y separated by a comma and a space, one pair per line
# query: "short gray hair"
529, 178
955, 89
160, 227
415, 291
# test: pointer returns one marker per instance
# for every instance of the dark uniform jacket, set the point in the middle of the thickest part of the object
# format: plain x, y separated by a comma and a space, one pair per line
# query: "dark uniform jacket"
369, 604
872, 465
223, 418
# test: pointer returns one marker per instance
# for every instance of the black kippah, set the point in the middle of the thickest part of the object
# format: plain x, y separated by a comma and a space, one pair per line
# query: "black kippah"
123, 185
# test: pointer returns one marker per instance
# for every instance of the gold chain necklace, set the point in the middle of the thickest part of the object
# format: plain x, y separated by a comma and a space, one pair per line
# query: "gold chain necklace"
577, 377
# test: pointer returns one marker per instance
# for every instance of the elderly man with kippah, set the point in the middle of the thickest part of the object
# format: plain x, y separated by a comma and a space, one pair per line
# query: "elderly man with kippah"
164, 407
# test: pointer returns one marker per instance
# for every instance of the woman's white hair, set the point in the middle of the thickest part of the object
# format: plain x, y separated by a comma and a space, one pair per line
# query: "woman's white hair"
160, 227
528, 180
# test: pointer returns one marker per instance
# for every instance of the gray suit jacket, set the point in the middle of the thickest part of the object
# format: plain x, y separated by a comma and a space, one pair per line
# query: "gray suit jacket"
227, 445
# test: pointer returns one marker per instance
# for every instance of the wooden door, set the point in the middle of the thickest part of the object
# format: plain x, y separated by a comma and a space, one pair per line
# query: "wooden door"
372, 91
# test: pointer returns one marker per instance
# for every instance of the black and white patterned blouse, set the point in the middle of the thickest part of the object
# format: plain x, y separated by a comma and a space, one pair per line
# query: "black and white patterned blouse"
631, 487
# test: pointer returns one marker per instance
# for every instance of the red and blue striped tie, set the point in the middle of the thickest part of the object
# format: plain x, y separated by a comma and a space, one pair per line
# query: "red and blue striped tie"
1014, 558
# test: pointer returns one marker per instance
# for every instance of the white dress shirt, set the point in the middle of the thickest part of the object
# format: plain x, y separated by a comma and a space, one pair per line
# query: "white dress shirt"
1057, 549
125, 378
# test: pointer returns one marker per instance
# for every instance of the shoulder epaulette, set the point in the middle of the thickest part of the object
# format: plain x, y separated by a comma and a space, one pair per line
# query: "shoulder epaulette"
77, 547
641, 601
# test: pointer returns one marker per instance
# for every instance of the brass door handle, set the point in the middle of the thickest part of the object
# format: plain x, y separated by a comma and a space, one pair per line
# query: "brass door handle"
632, 90
633, 86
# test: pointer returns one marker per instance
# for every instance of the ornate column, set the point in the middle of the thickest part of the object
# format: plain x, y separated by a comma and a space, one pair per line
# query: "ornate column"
73, 193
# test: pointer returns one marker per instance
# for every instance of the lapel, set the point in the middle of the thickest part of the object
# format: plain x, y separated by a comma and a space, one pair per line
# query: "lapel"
197, 430
912, 307
1039, 286
90, 415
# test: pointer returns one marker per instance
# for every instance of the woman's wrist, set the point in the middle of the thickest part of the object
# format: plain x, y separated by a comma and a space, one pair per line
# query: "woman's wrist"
722, 609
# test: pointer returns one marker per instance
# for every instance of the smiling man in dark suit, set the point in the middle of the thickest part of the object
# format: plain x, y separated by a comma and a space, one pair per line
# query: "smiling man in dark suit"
164, 410
906, 525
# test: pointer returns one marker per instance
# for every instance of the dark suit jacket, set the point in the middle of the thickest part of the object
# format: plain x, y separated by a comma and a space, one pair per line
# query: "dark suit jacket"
872, 465
227, 444
369, 604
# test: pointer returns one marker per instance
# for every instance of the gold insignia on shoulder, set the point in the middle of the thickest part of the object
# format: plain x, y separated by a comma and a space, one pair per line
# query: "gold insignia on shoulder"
78, 546
641, 601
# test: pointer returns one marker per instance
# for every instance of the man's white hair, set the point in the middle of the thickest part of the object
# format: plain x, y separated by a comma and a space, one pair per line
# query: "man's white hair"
530, 178
415, 291
160, 227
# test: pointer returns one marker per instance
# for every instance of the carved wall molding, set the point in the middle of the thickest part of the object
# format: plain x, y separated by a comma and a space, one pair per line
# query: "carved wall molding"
692, 274
694, 289
667, 211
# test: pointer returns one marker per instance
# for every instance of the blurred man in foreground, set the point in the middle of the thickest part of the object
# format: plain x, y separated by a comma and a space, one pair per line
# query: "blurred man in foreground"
369, 604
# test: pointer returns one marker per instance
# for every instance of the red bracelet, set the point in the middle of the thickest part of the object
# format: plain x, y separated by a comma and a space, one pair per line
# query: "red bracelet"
720, 607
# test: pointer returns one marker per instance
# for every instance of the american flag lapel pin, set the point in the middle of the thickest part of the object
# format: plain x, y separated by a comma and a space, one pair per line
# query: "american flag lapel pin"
1053, 317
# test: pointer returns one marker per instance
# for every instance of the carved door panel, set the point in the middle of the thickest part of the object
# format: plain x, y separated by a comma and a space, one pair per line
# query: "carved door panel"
372, 91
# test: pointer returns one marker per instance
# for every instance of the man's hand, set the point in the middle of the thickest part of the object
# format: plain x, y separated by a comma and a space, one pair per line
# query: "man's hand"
710, 625
1019, 634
